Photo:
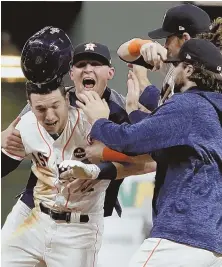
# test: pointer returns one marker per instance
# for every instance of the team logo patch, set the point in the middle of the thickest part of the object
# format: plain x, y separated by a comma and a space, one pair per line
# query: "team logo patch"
38, 60
79, 152
54, 30
90, 46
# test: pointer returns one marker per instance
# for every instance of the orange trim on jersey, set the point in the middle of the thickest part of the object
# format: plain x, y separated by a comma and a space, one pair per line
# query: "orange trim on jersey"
70, 135
152, 253
95, 245
50, 151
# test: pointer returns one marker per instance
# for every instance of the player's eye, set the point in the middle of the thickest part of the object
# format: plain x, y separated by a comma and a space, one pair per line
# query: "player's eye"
175, 64
55, 107
81, 64
95, 63
41, 109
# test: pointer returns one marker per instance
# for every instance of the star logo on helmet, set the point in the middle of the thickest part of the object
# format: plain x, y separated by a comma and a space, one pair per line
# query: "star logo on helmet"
38, 60
90, 46
54, 30
188, 56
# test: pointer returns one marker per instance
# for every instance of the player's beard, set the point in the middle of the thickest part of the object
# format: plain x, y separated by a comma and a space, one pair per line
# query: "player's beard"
178, 87
179, 82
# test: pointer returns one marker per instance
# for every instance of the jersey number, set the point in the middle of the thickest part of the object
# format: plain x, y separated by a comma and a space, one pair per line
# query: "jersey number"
40, 159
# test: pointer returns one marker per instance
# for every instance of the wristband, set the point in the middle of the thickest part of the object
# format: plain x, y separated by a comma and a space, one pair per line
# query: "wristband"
108, 171
112, 155
135, 45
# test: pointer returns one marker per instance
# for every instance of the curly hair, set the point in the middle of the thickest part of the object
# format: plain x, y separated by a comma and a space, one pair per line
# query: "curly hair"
202, 77
206, 79
215, 33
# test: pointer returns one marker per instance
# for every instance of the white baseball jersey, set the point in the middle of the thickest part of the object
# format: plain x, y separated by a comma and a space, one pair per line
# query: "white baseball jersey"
168, 83
47, 153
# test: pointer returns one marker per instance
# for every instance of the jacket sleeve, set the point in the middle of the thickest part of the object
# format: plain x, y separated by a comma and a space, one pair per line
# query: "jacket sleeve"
140, 61
150, 97
137, 116
9, 164
168, 126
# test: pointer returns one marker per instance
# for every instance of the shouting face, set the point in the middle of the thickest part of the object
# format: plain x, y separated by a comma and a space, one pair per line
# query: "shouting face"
91, 75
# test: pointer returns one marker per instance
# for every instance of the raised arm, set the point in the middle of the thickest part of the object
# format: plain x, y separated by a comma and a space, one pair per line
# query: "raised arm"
145, 53
12, 148
72, 169
10, 137
168, 126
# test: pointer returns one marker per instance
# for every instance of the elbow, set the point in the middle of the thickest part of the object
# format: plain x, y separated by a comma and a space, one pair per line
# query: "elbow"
123, 52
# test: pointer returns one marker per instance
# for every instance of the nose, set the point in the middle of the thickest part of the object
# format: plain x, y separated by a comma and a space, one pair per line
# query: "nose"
50, 115
88, 67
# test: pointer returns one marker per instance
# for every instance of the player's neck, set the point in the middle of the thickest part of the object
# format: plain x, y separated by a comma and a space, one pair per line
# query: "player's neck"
188, 85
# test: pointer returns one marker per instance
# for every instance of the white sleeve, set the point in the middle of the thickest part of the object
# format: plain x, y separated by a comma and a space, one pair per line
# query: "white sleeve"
14, 155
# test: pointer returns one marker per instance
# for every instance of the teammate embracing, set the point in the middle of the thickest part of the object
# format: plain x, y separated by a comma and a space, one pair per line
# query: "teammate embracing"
51, 132
184, 136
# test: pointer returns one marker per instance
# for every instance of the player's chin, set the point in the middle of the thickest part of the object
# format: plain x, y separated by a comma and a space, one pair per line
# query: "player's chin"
89, 88
52, 129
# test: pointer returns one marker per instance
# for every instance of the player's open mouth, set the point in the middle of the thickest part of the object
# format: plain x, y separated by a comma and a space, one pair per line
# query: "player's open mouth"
88, 82
51, 124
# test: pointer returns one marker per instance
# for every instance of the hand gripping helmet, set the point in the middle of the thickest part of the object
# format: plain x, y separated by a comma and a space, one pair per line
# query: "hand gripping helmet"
47, 56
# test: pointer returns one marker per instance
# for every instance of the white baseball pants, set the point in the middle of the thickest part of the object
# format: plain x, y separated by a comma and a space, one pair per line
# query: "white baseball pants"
57, 244
16, 217
156, 252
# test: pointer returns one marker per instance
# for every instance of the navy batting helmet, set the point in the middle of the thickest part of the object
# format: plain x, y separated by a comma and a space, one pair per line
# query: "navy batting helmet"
47, 56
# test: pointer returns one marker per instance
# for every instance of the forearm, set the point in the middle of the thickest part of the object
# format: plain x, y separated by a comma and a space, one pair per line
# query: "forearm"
137, 116
115, 171
134, 169
169, 126
115, 156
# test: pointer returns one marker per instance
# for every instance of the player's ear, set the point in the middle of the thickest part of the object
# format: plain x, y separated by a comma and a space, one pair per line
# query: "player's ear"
186, 36
189, 70
111, 73
30, 103
67, 98
71, 73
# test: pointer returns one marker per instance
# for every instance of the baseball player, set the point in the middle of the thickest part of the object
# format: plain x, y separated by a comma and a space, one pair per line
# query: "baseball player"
180, 23
184, 136
118, 114
41, 67
52, 132
63, 228
22, 209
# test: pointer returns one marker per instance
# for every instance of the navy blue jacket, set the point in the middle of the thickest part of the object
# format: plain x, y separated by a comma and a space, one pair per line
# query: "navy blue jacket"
184, 136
